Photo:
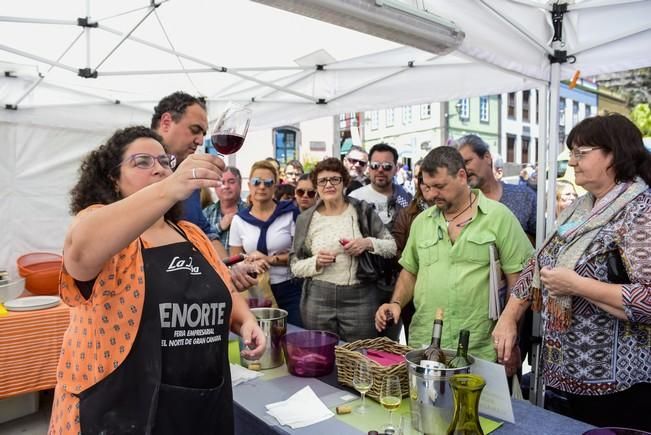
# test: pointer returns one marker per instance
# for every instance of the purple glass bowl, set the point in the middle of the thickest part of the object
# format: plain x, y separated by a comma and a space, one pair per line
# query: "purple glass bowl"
309, 353
615, 431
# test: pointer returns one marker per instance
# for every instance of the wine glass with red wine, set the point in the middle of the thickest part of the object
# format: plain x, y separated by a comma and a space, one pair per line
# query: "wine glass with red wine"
230, 130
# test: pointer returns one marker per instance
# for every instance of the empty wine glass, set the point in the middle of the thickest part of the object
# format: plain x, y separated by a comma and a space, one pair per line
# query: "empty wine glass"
362, 381
391, 398
230, 130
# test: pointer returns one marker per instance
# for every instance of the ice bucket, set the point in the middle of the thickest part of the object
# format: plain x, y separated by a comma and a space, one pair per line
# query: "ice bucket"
431, 396
273, 322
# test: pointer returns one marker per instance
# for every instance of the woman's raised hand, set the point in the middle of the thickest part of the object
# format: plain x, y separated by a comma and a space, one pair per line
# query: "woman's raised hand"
195, 172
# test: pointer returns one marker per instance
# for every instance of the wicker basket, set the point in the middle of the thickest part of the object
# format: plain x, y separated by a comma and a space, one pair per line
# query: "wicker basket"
347, 358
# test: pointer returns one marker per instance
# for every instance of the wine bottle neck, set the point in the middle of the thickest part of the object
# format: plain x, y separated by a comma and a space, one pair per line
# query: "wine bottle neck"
436, 333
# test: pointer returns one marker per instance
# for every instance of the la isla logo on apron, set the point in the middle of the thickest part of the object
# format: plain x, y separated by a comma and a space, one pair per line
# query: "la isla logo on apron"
178, 263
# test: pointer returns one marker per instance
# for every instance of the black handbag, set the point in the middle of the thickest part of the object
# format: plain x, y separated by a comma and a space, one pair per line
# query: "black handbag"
616, 269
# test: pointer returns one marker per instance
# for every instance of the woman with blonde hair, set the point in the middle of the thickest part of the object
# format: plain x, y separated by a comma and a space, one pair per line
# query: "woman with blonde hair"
565, 195
265, 231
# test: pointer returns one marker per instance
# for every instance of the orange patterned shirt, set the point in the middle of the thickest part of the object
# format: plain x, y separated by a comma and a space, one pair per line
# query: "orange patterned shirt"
103, 327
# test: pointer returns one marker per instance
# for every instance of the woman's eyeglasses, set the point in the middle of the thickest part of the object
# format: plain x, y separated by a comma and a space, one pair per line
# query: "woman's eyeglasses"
303, 192
334, 181
146, 161
257, 181
580, 152
387, 166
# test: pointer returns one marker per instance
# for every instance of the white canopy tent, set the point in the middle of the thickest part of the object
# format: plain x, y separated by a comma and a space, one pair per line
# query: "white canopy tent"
75, 71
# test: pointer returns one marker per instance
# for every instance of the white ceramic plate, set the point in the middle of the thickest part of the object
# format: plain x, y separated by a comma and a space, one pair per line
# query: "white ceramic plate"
31, 303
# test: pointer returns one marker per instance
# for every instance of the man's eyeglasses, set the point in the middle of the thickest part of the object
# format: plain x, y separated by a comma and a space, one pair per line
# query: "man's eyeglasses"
580, 152
303, 192
146, 161
257, 181
356, 162
334, 181
384, 165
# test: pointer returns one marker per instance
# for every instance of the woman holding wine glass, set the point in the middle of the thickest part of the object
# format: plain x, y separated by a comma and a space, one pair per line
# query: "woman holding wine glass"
265, 232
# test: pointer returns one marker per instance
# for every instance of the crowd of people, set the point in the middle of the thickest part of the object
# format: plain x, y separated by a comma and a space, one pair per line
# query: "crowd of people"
360, 246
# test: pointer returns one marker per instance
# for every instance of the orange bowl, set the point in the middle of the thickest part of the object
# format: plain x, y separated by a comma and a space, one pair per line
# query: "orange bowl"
36, 261
44, 282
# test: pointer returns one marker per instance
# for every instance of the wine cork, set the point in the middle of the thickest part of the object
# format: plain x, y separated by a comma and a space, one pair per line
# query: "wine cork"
439, 314
344, 409
255, 366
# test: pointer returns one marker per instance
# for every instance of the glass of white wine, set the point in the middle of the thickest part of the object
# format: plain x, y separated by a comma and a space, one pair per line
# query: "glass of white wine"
362, 381
390, 398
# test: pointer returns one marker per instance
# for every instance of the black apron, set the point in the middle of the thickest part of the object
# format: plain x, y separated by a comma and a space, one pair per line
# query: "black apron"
176, 378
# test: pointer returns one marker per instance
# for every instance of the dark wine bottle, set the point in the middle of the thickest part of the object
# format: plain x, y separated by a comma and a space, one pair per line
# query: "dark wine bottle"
461, 358
434, 351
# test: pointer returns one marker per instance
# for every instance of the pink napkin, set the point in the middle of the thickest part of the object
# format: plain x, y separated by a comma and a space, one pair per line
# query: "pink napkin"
384, 358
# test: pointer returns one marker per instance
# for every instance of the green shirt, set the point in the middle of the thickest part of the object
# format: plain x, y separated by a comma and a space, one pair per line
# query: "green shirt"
455, 276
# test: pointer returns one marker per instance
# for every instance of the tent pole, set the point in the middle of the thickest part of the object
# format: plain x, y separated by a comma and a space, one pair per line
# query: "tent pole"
87, 32
38, 58
37, 21
535, 383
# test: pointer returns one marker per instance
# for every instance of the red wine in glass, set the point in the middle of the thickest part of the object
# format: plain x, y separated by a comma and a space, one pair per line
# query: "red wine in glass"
343, 242
229, 132
227, 143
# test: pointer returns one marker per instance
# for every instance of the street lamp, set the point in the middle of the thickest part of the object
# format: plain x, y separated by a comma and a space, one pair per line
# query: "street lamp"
445, 131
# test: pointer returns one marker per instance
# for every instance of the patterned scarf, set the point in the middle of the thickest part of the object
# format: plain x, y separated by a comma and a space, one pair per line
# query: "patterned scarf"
577, 227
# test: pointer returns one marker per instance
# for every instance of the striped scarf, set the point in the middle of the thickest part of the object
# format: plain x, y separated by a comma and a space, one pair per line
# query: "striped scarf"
577, 227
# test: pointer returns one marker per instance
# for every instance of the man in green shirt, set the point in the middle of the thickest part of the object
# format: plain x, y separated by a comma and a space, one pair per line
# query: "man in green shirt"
446, 259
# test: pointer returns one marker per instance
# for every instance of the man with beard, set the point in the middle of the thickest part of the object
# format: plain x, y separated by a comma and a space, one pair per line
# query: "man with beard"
446, 259
386, 196
520, 199
355, 162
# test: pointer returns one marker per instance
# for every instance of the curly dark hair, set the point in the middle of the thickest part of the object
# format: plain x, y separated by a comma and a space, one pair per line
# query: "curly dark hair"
618, 135
175, 104
330, 164
100, 171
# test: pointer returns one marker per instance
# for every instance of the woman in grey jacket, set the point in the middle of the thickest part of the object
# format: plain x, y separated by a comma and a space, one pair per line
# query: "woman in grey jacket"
338, 246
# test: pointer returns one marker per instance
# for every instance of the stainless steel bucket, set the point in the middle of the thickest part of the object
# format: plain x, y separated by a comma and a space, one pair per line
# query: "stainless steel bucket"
431, 397
273, 322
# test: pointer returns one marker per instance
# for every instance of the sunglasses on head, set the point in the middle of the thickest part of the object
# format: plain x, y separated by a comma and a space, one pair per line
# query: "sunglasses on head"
356, 162
257, 181
146, 161
303, 192
384, 165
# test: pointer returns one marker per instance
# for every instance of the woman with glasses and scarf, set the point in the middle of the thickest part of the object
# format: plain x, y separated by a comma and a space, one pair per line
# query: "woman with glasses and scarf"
592, 280
305, 193
333, 250
264, 232
151, 303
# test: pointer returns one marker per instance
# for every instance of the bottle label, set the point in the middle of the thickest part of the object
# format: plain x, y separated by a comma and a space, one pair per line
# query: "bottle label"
432, 365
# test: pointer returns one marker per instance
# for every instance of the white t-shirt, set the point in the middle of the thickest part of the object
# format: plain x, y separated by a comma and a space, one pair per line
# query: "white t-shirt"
279, 239
378, 200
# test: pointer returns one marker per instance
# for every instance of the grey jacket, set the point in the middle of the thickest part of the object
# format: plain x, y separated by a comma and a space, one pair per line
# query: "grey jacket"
370, 225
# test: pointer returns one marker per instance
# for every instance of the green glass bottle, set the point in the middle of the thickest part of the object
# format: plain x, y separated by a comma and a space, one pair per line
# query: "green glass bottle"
461, 358
467, 389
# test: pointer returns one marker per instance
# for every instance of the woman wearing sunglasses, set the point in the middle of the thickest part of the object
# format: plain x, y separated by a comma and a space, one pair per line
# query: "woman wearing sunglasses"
151, 303
331, 237
305, 193
265, 232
